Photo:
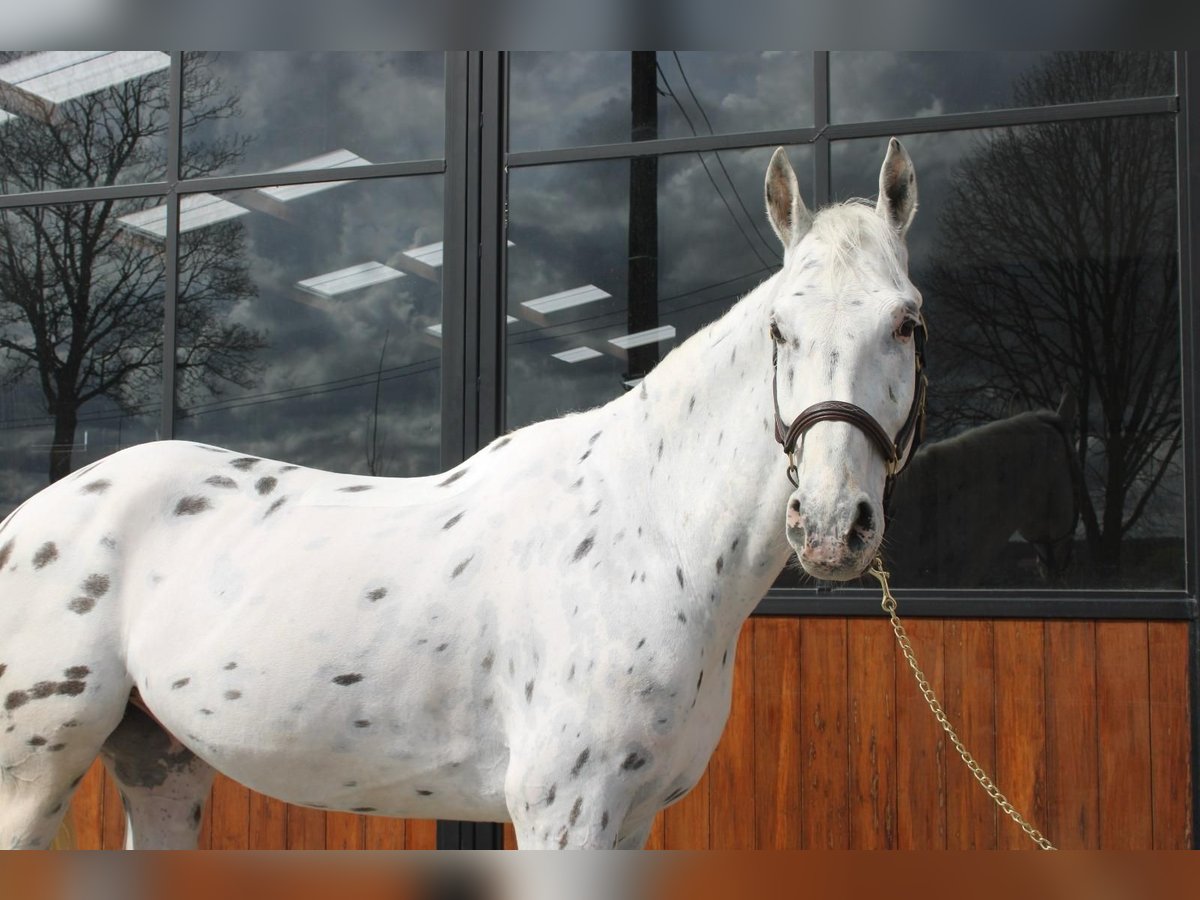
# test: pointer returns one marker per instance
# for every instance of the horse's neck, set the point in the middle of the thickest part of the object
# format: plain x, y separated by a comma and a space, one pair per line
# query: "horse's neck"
713, 475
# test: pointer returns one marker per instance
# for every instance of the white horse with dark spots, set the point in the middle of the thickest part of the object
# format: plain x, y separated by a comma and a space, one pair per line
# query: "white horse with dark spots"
544, 634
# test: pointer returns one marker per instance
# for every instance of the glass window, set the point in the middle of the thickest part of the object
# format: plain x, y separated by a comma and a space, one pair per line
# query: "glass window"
574, 99
1047, 257
869, 85
595, 301
73, 119
272, 111
329, 334
81, 313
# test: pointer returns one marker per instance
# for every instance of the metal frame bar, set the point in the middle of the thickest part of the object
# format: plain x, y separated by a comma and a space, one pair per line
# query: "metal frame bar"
822, 169
171, 244
493, 247
454, 260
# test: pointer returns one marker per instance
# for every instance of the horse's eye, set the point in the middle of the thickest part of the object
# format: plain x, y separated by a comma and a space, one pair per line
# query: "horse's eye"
907, 327
775, 335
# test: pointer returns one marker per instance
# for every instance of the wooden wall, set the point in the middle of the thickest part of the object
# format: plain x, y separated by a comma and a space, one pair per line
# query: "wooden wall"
1084, 725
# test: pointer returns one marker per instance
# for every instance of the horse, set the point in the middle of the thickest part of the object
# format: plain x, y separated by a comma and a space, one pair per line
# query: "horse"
960, 500
543, 634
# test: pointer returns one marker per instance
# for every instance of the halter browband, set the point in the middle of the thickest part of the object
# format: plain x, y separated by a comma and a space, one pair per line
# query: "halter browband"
909, 435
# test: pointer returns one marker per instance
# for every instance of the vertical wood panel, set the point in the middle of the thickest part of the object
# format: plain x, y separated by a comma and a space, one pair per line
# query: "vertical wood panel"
920, 745
510, 836
421, 834
687, 820
731, 771
305, 828
1170, 738
1123, 720
383, 833
658, 834
871, 655
1021, 726
230, 815
86, 809
268, 823
343, 831
1071, 735
823, 704
778, 750
970, 705
112, 822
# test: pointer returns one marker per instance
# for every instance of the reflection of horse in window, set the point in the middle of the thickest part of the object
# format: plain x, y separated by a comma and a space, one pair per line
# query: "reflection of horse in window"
958, 503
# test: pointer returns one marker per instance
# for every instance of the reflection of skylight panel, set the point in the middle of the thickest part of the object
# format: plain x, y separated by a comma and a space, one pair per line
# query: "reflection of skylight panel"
4, 117
351, 278
436, 330
640, 338
336, 159
195, 211
60, 75
577, 354
631, 382
430, 254
566, 299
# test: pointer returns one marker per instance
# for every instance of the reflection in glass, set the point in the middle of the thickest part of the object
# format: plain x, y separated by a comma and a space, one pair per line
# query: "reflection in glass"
1048, 261
81, 312
342, 286
596, 302
77, 119
573, 99
870, 85
296, 108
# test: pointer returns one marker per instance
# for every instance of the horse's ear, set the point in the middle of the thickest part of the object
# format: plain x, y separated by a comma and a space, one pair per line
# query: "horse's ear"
1068, 407
897, 188
789, 216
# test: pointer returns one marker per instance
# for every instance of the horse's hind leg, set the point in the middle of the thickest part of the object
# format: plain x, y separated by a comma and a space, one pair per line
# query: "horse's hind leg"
162, 783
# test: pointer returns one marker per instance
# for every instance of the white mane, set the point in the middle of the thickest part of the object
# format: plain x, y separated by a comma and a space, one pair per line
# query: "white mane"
846, 230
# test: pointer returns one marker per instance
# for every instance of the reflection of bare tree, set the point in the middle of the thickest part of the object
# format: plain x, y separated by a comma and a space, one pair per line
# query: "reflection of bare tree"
1056, 266
80, 297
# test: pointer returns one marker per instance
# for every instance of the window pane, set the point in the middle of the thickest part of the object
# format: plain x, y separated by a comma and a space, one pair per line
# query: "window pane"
80, 118
81, 312
574, 99
1047, 259
330, 343
867, 85
266, 111
578, 289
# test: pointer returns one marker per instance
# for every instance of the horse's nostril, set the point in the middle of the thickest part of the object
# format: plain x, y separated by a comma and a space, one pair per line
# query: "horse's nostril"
794, 506
866, 517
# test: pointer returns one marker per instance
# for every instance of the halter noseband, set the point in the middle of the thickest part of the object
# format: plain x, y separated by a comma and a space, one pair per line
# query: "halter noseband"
909, 435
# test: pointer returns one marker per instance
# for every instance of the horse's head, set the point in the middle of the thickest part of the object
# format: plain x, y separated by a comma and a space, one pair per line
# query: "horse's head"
846, 324
1051, 523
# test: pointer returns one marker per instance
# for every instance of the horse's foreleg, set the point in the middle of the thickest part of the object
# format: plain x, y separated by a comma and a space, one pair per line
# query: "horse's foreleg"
162, 783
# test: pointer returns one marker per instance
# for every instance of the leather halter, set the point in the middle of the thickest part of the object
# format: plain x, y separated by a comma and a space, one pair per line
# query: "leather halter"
892, 449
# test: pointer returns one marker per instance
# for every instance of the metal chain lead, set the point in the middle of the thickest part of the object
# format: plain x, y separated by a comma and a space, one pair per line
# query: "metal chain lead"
889, 607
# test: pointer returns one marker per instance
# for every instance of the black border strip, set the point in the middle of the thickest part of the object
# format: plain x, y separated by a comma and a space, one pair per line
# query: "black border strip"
171, 244
1031, 605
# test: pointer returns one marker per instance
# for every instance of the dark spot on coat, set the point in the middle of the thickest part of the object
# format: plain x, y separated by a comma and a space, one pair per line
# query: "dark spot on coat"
355, 488
220, 481
229, 666
440, 647
206, 712
500, 443
577, 484
580, 761
692, 403
274, 506
633, 762
16, 699
562, 839
458, 570
46, 554
681, 617
700, 680
99, 486
72, 672
660, 449
453, 520
584, 548
679, 575
5, 553
36, 741
674, 795
596, 508
233, 695
552, 795
528, 691
71, 688
604, 820
244, 463
344, 680
96, 585
586, 454
288, 468
453, 478
81, 605
362, 723
595, 437
424, 793
3, 669
54, 748
182, 682
190, 506
640, 644
196, 814
362, 809
43, 689
265, 485
720, 564
376, 594
734, 545
488, 661
725, 657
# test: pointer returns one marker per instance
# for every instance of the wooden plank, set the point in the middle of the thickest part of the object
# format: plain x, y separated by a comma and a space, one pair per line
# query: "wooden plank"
871, 657
510, 836
658, 834
343, 831
86, 808
305, 828
731, 771
970, 705
112, 816
825, 819
383, 833
230, 815
687, 820
778, 749
421, 834
1170, 737
1071, 736
1020, 726
1123, 723
268, 823
920, 745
